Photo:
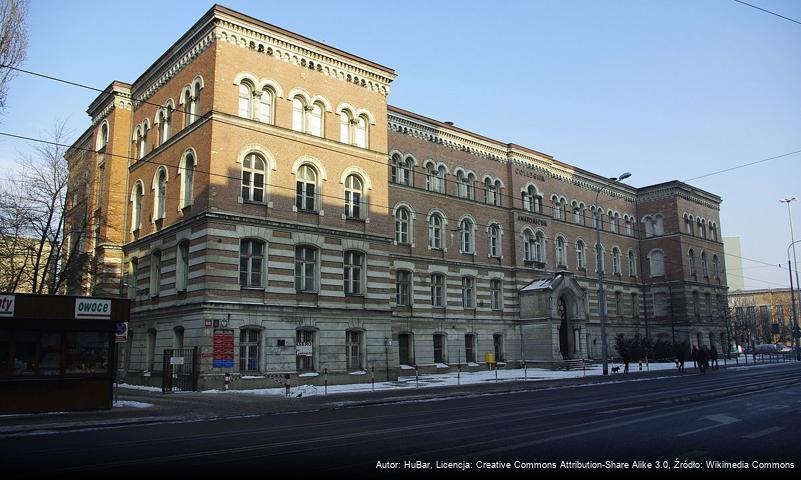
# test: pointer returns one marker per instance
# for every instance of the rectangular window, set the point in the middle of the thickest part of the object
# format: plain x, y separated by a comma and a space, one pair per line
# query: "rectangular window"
353, 273
470, 348
403, 288
251, 260
468, 292
496, 293
619, 303
304, 341
635, 305
353, 349
305, 269
155, 274
249, 350
182, 267
437, 289
439, 350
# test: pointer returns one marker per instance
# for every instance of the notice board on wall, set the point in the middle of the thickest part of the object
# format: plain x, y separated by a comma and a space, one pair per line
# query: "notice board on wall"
223, 350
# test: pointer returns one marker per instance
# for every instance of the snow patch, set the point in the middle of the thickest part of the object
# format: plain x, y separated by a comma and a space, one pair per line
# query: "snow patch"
131, 403
139, 387
310, 374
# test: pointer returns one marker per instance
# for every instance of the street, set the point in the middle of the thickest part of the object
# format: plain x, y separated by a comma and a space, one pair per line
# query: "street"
739, 415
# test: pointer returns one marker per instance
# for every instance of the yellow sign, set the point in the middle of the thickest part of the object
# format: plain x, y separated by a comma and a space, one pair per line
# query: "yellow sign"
489, 358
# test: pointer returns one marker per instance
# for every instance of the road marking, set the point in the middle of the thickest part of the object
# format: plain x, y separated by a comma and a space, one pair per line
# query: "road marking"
767, 431
720, 419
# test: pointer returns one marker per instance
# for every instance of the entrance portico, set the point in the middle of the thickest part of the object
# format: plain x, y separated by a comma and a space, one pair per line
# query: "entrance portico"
553, 319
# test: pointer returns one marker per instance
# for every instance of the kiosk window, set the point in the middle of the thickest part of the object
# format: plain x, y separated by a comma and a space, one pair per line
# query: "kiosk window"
25, 353
5, 350
87, 352
50, 354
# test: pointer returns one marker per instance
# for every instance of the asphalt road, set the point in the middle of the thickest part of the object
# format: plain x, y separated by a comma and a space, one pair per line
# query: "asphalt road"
682, 422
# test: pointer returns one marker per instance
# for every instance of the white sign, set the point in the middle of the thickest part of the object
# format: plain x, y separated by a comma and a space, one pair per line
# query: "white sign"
304, 349
176, 360
6, 305
90, 308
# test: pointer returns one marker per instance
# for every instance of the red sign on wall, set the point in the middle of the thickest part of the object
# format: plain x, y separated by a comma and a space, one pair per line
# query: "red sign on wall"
223, 349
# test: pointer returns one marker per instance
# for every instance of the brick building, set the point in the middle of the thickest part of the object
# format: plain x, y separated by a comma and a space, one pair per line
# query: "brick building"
762, 316
254, 184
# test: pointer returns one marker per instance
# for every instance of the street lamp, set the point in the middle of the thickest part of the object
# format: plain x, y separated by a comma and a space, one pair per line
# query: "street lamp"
792, 239
792, 298
599, 268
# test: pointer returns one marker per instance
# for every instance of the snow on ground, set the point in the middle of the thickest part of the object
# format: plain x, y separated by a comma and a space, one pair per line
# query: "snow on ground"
443, 379
130, 403
139, 387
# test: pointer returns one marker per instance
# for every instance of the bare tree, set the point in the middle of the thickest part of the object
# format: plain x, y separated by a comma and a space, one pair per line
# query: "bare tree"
13, 41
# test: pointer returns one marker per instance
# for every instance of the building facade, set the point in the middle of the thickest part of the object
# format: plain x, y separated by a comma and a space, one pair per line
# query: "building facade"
762, 316
266, 204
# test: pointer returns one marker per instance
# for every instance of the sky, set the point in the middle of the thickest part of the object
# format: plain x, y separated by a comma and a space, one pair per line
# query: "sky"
667, 90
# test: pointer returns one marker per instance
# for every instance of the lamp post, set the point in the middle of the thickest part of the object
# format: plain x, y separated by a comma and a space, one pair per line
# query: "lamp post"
599, 267
792, 239
792, 298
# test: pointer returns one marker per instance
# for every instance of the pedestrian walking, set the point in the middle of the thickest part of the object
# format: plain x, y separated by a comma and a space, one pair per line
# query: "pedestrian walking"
713, 356
680, 358
694, 354
703, 360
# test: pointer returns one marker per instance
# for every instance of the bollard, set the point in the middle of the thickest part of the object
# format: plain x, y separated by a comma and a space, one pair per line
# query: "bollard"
227, 380
416, 377
459, 375
372, 377
286, 383
525, 370
326, 380
641, 365
496, 373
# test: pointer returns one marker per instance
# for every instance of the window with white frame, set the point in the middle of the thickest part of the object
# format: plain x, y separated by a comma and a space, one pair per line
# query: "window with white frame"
435, 178
435, 231
136, 209
361, 134
629, 227
165, 122
306, 188
249, 349
141, 141
465, 187
498, 193
556, 207
316, 120
715, 267
539, 247
305, 269
688, 224
253, 178
599, 258
187, 101
691, 258
133, 273
561, 252
578, 213
353, 349
581, 263
402, 226
657, 263
345, 121
403, 287
494, 240
161, 192
595, 217
182, 266
299, 114
401, 170
437, 290
659, 224
532, 200
352, 274
468, 292
632, 264
496, 294
266, 105
353, 196
466, 235
251, 263
188, 172
155, 274
616, 268
489, 192
245, 100
701, 230
528, 246
195, 104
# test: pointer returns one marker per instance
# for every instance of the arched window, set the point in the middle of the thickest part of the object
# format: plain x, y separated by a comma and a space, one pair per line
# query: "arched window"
361, 132
580, 258
657, 263
595, 217
528, 246
187, 107
700, 226
632, 264
402, 220
401, 170
298, 114
253, 176
188, 172
498, 193
141, 141
466, 234
435, 178
103, 140
599, 258
691, 257
561, 254
353, 196
245, 100
688, 222
578, 213
659, 225
556, 206
136, 208
266, 103
539, 247
316, 120
196, 101
464, 184
629, 227
161, 188
306, 188
489, 192
649, 227
305, 268
133, 273
494, 240
182, 266
155, 273
704, 267
251, 263
345, 121
715, 267
435, 232
165, 122
616, 261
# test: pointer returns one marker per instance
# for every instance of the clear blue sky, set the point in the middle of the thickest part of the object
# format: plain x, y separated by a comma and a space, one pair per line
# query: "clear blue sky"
664, 89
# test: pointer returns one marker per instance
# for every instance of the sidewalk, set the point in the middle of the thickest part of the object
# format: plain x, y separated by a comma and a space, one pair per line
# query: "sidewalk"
143, 406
